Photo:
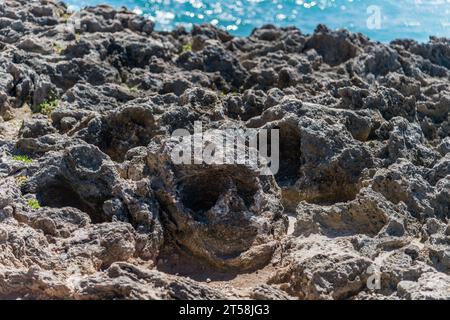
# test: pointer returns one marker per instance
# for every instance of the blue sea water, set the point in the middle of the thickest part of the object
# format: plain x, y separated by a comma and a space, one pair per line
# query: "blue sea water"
381, 20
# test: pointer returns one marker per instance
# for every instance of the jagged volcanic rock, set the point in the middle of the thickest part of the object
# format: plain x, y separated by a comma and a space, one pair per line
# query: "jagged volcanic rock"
92, 206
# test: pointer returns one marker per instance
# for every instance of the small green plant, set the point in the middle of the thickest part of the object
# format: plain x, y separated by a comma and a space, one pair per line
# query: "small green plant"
187, 47
48, 106
65, 16
77, 37
58, 48
133, 88
34, 204
224, 93
21, 180
22, 158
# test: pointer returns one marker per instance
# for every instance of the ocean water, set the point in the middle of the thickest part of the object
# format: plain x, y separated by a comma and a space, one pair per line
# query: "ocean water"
382, 20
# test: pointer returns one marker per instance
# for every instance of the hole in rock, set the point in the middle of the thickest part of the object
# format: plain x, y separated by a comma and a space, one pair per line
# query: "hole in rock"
117, 145
290, 155
132, 127
177, 260
341, 193
60, 194
200, 192
334, 186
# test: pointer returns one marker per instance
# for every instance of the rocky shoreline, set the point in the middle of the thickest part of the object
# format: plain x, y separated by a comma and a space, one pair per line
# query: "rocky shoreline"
93, 207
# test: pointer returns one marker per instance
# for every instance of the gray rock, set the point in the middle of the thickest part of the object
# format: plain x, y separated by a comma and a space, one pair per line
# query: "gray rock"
92, 206
431, 286
229, 217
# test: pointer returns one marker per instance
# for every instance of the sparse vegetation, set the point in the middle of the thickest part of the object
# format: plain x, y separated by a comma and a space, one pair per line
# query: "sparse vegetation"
187, 47
34, 204
21, 179
133, 88
65, 16
22, 158
77, 37
48, 106
58, 48
224, 93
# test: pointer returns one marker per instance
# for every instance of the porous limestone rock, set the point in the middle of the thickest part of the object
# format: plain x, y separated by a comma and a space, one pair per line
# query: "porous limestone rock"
93, 206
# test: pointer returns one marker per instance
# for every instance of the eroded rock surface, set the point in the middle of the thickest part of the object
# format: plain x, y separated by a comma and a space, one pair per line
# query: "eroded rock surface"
92, 205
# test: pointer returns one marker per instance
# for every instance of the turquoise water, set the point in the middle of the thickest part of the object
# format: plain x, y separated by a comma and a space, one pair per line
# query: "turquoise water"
381, 20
